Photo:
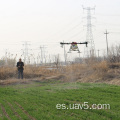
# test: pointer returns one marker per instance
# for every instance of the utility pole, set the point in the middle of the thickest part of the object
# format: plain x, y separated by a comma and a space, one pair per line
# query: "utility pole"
106, 33
79, 55
89, 34
49, 59
6, 52
64, 53
98, 53
42, 49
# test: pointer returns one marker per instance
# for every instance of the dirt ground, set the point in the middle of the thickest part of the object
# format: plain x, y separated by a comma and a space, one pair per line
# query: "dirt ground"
61, 78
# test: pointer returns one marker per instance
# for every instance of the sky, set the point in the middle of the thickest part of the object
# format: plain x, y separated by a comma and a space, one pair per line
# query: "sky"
49, 22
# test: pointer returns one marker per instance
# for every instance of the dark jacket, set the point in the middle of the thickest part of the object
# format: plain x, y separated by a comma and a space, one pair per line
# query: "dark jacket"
20, 65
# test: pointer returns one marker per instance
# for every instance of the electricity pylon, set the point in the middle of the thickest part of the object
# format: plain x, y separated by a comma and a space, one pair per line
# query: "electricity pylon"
90, 51
25, 51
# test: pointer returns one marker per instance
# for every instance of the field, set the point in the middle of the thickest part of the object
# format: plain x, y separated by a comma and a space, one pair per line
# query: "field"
37, 101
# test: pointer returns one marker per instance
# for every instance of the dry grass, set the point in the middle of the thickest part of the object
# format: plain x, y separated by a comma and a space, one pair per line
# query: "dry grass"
29, 72
98, 72
95, 72
7, 72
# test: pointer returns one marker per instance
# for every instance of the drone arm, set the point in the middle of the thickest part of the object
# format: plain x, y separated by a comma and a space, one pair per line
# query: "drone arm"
62, 43
83, 43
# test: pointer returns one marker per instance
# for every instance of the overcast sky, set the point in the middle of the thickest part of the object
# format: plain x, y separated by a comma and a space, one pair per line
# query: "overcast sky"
48, 22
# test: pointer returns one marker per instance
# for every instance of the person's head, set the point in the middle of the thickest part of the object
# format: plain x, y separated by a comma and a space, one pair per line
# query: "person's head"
20, 60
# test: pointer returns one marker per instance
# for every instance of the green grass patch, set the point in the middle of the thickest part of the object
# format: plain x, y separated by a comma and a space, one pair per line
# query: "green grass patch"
38, 101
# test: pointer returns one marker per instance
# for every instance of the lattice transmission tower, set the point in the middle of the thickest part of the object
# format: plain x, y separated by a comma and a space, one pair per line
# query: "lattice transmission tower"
90, 50
25, 53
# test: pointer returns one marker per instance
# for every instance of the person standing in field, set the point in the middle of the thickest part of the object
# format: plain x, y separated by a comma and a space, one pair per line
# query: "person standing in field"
20, 66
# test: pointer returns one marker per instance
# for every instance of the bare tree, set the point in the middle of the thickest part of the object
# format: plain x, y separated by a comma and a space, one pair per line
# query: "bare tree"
57, 61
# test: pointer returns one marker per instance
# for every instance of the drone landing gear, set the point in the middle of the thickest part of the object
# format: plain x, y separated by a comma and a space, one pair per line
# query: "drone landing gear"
74, 50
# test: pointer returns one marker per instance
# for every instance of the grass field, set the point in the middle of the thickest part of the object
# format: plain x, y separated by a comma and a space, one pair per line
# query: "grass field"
38, 100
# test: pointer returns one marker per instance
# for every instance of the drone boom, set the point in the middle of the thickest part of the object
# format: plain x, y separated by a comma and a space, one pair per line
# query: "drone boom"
62, 43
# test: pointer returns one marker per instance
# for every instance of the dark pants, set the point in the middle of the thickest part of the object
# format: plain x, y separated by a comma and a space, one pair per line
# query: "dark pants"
20, 74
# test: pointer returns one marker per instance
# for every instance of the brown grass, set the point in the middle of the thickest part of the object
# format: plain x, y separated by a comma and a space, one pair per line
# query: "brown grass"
96, 72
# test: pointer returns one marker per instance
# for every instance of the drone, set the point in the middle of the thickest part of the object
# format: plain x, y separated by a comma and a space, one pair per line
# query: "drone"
74, 46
